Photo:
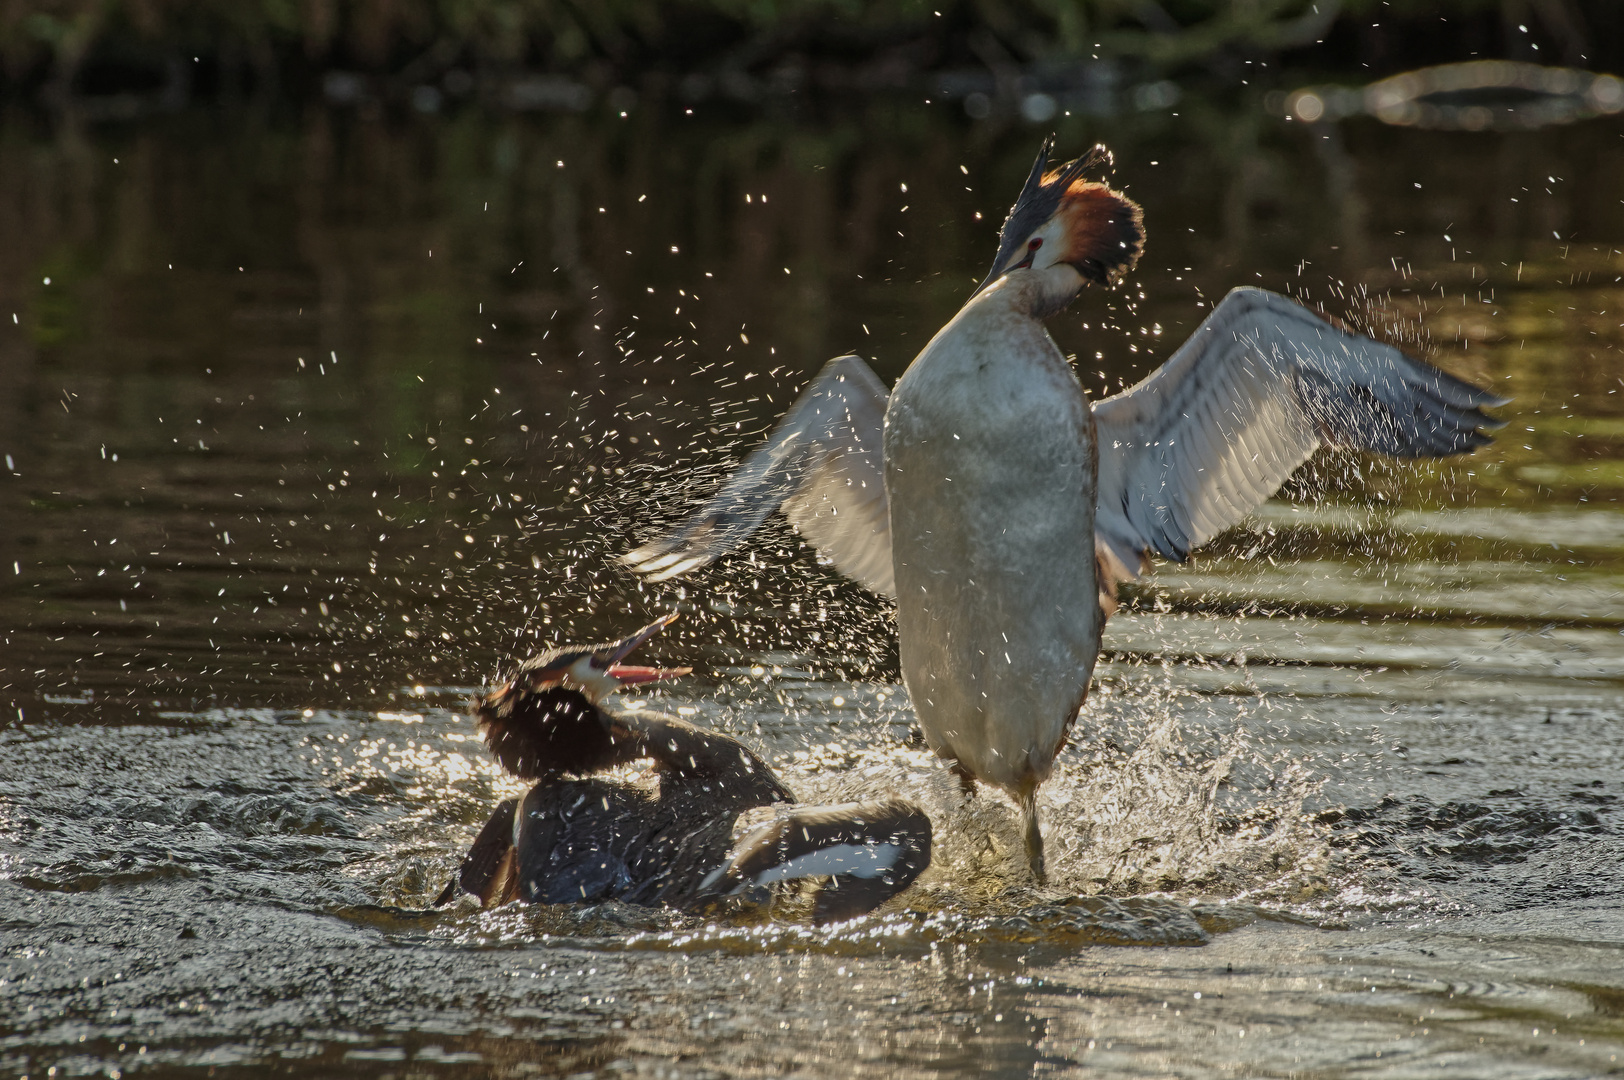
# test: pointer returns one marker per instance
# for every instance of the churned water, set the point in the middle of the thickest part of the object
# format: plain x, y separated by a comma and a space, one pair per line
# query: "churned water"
311, 423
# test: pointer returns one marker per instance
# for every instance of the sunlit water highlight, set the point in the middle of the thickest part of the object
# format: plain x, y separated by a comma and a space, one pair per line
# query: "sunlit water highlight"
1344, 799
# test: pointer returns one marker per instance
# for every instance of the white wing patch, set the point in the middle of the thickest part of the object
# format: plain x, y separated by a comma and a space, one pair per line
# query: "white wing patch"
836, 860
822, 465
1260, 385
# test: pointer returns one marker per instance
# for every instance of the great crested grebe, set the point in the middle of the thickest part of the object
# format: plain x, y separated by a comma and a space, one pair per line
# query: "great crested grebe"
670, 840
1001, 508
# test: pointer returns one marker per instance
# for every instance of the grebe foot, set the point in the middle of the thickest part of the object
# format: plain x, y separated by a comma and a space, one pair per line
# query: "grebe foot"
1034, 837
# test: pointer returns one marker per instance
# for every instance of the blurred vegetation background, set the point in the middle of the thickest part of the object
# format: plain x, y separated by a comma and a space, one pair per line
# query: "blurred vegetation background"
181, 49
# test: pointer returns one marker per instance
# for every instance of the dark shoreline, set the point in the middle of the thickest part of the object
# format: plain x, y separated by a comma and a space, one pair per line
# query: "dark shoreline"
116, 61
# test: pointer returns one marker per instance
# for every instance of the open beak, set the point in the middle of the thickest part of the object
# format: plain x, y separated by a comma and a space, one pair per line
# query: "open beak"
612, 655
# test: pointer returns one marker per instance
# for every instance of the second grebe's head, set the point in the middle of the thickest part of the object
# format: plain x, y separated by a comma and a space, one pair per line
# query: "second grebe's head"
544, 719
596, 671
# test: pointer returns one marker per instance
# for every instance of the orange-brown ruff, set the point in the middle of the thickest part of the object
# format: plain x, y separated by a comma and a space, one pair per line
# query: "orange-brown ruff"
1106, 230
1088, 225
539, 733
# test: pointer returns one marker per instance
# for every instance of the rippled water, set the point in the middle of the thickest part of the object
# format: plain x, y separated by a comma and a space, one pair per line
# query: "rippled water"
312, 422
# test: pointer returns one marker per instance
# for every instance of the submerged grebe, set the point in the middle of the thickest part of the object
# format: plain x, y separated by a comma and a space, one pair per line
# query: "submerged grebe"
580, 838
1001, 509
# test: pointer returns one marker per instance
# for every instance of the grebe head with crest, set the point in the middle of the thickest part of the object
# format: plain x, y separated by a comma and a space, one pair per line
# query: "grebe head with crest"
1063, 220
544, 718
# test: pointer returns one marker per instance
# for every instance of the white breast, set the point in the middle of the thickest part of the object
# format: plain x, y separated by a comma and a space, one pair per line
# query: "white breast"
854, 860
990, 473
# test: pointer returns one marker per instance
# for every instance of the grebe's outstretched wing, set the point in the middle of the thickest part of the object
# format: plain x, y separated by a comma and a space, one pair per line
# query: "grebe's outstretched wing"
822, 465
1260, 385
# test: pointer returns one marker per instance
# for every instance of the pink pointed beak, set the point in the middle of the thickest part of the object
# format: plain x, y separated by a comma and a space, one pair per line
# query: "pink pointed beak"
629, 674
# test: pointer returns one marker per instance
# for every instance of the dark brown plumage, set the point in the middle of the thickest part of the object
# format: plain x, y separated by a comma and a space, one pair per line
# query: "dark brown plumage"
539, 733
544, 719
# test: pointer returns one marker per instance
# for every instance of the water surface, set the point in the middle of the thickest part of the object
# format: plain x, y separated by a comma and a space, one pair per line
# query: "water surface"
314, 421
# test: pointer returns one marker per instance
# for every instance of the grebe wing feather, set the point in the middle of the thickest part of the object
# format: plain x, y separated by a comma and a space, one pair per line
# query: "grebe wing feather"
822, 465
1260, 385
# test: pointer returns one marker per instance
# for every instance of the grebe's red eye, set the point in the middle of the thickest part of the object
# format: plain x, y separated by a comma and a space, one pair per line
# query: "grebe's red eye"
1037, 242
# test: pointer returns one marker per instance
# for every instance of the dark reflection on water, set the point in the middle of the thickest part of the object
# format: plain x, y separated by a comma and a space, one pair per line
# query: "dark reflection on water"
313, 421
324, 353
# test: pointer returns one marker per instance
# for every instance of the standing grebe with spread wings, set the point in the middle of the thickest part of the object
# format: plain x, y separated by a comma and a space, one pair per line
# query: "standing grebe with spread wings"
971, 491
